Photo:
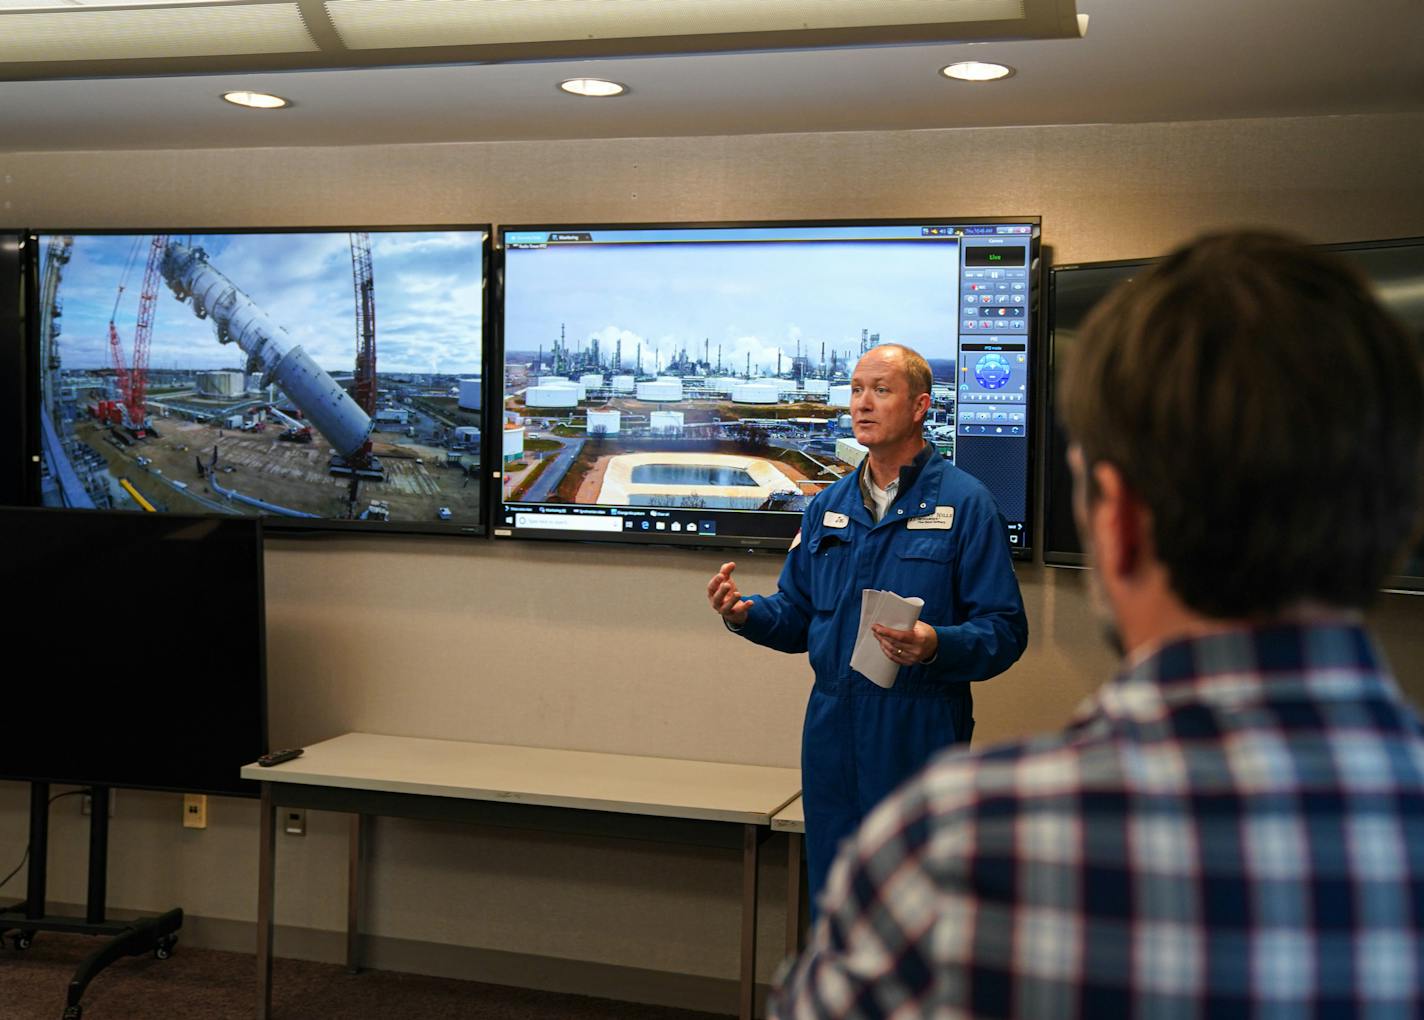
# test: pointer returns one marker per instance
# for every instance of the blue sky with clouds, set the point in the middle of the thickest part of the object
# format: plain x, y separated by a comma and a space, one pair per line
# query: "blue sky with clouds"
429, 299
750, 298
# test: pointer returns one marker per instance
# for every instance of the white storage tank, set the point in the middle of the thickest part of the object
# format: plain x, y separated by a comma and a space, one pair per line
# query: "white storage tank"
591, 381
664, 422
660, 389
819, 387
721, 384
838, 396
624, 384
756, 393
552, 396
849, 451
514, 443
470, 393
607, 421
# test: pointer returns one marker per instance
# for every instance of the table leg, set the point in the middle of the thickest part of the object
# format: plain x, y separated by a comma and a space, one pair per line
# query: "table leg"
751, 843
353, 895
793, 893
266, 890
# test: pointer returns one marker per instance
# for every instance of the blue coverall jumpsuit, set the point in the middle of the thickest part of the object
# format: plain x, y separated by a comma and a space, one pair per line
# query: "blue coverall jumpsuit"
860, 741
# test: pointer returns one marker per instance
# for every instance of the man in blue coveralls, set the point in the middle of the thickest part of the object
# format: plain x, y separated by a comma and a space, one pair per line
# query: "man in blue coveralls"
910, 522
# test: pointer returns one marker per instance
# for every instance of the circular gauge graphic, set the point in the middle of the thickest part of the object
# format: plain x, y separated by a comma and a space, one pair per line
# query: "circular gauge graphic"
992, 371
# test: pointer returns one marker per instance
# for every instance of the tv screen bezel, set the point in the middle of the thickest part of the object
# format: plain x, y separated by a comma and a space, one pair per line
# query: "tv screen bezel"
779, 543
1401, 583
276, 525
15, 359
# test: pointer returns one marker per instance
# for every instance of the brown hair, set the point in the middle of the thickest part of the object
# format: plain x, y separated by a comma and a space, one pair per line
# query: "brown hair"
1270, 413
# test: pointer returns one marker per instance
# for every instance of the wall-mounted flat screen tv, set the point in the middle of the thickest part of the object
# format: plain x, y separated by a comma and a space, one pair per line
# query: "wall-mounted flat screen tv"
145, 636
690, 383
1395, 268
316, 378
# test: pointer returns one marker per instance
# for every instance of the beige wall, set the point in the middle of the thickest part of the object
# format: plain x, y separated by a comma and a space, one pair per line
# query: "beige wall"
613, 649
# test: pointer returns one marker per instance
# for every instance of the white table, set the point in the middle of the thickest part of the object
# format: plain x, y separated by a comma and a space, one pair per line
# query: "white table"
625, 796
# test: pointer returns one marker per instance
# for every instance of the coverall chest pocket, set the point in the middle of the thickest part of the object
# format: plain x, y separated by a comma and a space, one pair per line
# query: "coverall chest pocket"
831, 554
926, 570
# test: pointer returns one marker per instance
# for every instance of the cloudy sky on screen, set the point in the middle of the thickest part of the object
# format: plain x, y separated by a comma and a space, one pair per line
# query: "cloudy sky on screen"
750, 298
429, 301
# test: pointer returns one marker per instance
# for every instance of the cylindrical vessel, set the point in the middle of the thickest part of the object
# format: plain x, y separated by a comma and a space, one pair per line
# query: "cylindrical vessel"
269, 348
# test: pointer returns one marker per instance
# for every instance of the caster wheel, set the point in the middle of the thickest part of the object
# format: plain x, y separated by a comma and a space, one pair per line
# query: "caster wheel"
73, 1012
24, 940
164, 949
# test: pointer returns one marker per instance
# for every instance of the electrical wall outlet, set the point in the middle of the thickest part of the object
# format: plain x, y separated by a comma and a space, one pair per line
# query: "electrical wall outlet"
195, 810
86, 802
294, 821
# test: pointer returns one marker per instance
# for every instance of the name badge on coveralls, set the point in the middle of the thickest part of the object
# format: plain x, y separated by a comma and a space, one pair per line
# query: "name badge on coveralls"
834, 520
942, 519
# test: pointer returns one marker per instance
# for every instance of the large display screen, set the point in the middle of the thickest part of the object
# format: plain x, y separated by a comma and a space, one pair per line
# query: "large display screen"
318, 378
1395, 268
146, 658
691, 383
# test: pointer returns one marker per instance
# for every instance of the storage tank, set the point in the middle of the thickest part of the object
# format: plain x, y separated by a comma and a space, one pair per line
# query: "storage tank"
551, 381
838, 396
470, 393
624, 383
591, 381
514, 443
552, 396
721, 384
756, 393
849, 451
660, 389
607, 421
467, 434
819, 387
666, 421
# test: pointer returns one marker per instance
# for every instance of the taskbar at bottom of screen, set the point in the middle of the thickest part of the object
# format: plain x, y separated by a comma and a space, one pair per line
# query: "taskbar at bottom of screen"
674, 525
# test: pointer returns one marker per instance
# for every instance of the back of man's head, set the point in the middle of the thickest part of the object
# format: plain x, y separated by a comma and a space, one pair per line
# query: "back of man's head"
1268, 412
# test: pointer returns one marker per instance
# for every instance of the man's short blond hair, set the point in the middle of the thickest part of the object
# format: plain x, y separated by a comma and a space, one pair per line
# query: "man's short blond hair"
917, 369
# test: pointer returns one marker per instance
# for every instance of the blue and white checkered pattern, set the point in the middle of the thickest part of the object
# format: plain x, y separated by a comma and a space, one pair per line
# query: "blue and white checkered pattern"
1233, 827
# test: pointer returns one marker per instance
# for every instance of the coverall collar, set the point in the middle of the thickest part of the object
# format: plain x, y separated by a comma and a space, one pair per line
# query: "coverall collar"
909, 474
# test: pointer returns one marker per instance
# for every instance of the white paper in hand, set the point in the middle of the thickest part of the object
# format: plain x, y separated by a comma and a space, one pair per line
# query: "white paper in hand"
889, 610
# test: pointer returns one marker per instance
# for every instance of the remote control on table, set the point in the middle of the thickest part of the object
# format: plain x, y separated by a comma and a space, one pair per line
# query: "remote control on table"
277, 757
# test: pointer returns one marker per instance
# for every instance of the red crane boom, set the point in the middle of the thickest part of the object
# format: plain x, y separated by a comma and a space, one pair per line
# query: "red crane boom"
133, 380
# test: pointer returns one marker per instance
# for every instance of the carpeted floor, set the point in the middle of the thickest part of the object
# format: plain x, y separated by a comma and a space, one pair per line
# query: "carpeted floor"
206, 984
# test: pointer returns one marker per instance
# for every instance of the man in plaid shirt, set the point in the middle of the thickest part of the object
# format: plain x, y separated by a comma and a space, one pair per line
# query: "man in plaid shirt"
1234, 825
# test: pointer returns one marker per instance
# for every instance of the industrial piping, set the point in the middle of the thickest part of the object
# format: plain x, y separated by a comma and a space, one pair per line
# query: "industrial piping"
268, 346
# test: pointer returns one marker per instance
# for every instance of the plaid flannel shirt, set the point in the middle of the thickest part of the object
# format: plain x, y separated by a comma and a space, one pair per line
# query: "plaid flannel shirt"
1233, 827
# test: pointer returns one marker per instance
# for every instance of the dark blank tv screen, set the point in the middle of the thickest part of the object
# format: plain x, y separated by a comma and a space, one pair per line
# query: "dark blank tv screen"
1394, 268
137, 649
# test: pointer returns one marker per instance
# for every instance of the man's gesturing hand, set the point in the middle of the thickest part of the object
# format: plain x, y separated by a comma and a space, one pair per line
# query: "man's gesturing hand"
725, 598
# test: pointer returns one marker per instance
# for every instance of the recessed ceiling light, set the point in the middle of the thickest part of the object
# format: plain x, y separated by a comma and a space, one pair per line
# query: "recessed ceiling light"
592, 87
256, 100
976, 70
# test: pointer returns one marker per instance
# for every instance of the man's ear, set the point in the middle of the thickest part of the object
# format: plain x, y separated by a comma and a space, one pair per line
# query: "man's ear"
1120, 521
922, 407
